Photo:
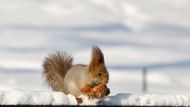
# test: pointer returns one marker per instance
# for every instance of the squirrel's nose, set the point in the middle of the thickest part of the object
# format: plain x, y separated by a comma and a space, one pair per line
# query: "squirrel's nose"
104, 81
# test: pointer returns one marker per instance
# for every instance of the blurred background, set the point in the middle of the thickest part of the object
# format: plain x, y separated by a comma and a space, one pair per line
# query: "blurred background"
136, 36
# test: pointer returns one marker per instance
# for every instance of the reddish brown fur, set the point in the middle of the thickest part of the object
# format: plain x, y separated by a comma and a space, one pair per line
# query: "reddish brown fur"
55, 68
97, 58
86, 89
97, 65
59, 71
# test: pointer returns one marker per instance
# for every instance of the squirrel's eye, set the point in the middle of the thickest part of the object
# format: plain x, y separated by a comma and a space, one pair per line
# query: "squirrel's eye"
99, 74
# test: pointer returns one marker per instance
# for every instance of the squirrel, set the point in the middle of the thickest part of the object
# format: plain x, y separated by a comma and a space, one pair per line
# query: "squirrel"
62, 75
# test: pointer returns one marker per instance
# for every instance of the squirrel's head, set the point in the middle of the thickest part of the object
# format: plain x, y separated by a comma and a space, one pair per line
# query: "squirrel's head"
97, 68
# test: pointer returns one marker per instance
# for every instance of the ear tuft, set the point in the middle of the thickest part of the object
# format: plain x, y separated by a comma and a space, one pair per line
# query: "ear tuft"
97, 58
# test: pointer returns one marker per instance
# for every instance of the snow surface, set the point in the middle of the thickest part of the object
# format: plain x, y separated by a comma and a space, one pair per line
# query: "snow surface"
147, 99
21, 97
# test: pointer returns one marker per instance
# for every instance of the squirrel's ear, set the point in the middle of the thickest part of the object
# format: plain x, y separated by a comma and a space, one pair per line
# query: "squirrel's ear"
97, 58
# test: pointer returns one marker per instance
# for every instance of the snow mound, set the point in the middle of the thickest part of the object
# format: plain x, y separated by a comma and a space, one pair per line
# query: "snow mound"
147, 99
20, 97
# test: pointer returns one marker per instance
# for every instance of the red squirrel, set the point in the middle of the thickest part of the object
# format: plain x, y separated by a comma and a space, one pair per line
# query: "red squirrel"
62, 75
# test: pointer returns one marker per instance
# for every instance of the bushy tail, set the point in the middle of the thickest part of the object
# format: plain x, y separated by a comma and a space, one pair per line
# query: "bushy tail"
54, 69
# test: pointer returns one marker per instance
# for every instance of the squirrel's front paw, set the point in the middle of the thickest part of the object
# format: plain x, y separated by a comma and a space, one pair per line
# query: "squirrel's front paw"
100, 91
86, 89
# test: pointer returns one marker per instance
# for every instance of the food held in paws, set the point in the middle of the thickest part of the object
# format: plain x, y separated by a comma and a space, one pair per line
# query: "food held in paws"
100, 91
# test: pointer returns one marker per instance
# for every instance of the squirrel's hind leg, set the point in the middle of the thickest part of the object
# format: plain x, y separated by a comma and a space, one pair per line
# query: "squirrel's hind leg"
79, 100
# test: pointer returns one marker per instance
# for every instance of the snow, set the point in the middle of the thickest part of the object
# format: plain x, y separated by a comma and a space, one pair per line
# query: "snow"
147, 99
22, 97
